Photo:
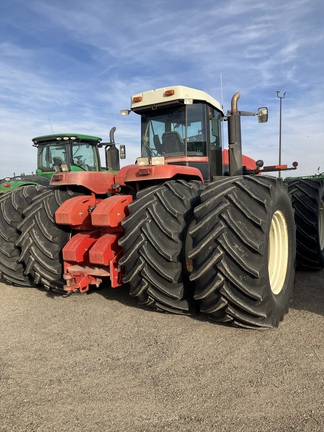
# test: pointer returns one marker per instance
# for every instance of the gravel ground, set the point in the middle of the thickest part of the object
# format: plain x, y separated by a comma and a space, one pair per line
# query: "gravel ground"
100, 362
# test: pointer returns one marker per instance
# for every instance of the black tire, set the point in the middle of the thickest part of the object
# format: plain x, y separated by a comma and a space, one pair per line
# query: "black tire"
244, 251
154, 244
307, 196
41, 240
12, 206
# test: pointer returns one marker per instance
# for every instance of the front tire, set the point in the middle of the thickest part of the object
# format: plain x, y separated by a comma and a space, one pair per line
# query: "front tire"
244, 251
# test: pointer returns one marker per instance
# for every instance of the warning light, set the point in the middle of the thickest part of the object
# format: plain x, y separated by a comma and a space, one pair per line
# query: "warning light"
137, 99
169, 92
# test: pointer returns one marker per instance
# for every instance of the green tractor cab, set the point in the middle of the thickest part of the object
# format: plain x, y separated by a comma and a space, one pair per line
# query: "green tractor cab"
66, 152
62, 153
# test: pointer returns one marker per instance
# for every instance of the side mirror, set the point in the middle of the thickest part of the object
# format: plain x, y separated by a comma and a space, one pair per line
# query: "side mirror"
122, 151
263, 115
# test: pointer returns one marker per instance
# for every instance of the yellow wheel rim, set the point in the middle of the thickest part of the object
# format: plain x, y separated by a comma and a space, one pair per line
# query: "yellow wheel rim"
278, 252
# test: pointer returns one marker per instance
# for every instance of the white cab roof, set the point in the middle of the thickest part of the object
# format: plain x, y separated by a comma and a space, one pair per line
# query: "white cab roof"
158, 96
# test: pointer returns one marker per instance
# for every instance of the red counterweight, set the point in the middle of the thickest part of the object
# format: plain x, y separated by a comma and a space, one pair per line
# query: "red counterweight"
93, 251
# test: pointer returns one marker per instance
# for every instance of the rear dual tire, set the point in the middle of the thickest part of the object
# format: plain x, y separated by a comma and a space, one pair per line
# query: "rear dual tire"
233, 244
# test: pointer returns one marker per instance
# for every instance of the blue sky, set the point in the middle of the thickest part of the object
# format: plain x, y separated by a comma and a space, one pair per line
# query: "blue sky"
72, 65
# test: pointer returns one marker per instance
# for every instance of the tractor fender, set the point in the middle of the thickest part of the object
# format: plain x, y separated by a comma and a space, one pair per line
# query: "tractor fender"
136, 173
248, 162
96, 182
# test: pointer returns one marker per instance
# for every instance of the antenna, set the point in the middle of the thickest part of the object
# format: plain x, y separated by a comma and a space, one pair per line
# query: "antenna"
49, 121
221, 83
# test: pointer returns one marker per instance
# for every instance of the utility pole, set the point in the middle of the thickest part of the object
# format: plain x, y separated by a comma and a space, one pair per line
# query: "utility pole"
280, 124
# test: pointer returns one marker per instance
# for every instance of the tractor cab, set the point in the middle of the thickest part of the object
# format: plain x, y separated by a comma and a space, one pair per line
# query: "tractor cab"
66, 152
183, 126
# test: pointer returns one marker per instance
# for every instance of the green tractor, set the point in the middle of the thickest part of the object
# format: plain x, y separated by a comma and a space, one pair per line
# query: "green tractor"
65, 152
57, 153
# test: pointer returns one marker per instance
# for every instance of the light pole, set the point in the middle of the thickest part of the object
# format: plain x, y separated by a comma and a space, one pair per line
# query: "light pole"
280, 122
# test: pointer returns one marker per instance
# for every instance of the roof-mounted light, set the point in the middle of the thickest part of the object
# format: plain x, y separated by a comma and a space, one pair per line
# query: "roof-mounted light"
137, 99
169, 92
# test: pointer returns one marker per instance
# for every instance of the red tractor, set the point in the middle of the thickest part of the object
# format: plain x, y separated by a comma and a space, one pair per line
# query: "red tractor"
190, 227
